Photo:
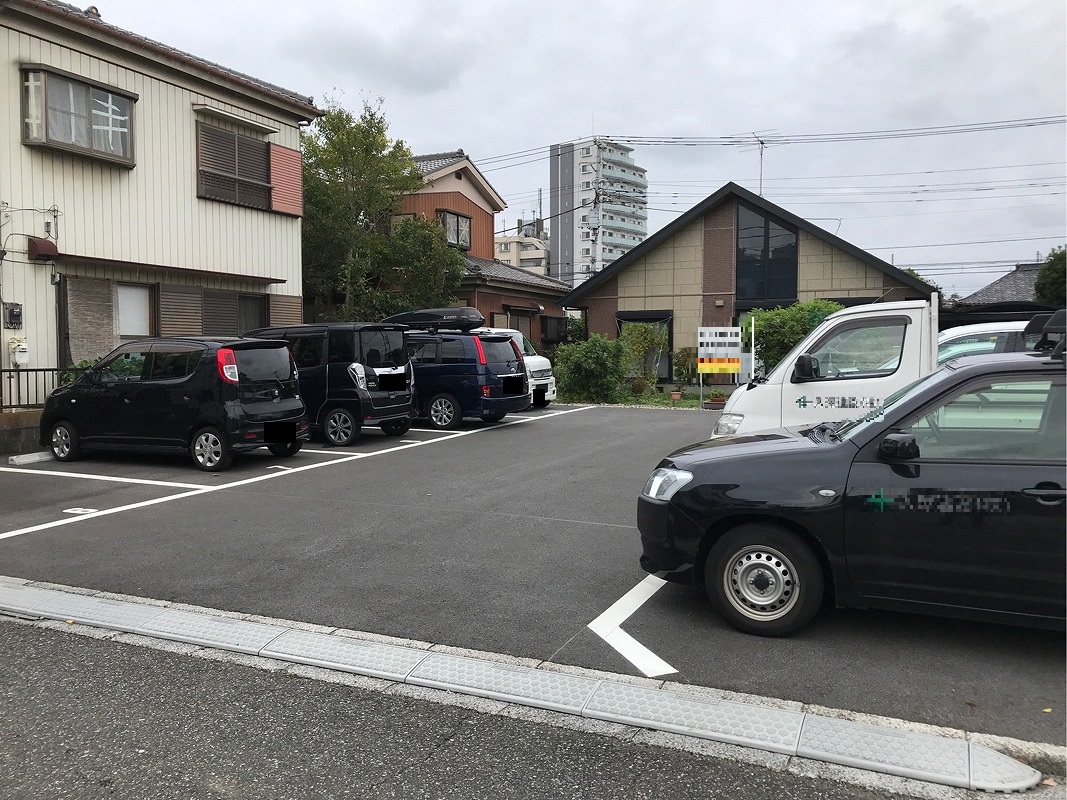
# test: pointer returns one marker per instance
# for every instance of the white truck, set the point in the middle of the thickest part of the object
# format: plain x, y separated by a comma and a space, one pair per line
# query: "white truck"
845, 367
538, 368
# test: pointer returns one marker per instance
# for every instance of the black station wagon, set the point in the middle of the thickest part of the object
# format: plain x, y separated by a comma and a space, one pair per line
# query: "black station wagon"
209, 396
949, 500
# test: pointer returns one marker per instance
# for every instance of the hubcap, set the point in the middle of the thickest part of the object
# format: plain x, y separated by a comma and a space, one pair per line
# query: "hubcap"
339, 428
61, 441
208, 449
761, 583
442, 412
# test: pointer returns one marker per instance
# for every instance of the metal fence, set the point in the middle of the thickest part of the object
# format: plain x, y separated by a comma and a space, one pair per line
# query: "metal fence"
28, 388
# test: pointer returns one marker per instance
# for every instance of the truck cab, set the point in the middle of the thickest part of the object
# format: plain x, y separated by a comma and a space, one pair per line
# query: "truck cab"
845, 367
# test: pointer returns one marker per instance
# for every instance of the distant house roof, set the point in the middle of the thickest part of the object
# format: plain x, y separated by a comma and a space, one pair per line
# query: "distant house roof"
491, 270
91, 23
738, 192
439, 165
437, 161
1016, 286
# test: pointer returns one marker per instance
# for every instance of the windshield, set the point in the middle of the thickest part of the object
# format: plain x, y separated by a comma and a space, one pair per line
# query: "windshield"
855, 427
264, 364
528, 348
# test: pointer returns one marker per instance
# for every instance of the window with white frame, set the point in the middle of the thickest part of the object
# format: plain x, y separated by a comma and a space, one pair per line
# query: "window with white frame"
62, 111
503, 247
134, 304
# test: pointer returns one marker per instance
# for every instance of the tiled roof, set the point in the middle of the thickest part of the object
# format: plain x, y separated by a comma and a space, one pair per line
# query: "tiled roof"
93, 22
497, 270
435, 161
1016, 286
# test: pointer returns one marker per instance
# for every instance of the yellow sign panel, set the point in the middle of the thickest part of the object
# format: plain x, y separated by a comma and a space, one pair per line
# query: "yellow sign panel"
719, 365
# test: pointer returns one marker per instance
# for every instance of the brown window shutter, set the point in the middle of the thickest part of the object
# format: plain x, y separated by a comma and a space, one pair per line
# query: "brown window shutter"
285, 309
286, 175
220, 314
180, 311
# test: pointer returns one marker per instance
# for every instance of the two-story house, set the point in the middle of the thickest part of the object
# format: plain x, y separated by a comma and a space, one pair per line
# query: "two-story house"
143, 191
458, 196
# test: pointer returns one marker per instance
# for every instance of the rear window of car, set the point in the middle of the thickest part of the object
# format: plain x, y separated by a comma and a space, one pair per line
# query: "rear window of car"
264, 364
496, 352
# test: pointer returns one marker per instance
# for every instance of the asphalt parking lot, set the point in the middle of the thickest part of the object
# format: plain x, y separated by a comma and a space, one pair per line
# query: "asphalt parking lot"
507, 538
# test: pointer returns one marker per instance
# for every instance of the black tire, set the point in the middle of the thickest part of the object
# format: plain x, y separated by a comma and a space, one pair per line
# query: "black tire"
764, 580
65, 446
285, 449
210, 451
443, 412
340, 426
494, 417
396, 427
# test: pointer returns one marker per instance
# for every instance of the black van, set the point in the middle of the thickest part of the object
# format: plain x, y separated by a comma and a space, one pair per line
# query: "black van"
460, 373
208, 396
351, 374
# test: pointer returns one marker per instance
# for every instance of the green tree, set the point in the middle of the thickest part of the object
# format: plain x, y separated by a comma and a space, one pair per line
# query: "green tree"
591, 371
645, 344
1051, 287
936, 287
357, 264
778, 330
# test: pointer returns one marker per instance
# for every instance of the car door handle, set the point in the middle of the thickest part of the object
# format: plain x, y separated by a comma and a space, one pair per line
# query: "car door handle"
1047, 494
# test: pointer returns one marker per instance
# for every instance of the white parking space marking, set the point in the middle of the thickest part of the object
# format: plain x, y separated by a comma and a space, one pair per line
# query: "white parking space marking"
606, 626
78, 510
246, 481
91, 477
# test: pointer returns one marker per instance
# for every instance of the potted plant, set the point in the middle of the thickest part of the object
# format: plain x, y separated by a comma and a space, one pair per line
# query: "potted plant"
715, 400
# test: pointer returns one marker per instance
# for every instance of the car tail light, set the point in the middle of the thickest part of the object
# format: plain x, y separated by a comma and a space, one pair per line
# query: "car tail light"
481, 354
485, 391
227, 364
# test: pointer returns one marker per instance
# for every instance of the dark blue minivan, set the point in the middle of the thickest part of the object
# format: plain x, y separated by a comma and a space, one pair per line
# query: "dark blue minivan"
460, 373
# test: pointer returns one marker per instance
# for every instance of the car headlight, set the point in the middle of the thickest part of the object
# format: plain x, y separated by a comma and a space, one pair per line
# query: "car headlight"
664, 482
727, 424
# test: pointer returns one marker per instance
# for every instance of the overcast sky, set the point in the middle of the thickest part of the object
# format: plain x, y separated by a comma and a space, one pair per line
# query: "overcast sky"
508, 79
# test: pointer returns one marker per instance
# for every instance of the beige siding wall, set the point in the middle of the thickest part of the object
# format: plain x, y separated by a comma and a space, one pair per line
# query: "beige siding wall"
149, 214
824, 270
670, 277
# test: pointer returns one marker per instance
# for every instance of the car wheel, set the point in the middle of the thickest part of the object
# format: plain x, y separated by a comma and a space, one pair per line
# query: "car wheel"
493, 417
210, 451
285, 449
764, 580
340, 427
443, 412
65, 443
396, 427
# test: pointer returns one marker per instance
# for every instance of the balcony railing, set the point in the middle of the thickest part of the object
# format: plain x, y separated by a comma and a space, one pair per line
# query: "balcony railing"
28, 388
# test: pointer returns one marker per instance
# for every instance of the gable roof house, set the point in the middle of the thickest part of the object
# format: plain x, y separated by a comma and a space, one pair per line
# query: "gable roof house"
144, 191
458, 196
730, 254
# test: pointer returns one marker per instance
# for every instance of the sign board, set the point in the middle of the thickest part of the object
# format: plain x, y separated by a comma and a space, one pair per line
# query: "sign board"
719, 350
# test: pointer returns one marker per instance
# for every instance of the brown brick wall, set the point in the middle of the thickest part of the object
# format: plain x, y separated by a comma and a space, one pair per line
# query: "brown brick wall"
91, 318
720, 256
602, 307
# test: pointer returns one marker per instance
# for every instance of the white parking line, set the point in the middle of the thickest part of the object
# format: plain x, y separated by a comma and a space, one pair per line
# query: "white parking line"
606, 626
244, 482
91, 477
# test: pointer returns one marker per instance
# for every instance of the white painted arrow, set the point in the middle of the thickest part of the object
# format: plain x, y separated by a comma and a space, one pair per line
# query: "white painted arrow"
606, 626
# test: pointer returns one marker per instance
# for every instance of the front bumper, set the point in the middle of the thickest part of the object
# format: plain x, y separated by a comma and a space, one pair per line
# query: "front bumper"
544, 386
663, 552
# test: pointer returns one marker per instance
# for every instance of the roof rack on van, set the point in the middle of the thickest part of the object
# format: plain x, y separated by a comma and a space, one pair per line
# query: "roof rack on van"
432, 319
1037, 323
1053, 329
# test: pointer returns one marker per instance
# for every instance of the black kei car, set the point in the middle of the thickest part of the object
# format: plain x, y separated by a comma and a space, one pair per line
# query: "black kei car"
210, 397
352, 375
948, 500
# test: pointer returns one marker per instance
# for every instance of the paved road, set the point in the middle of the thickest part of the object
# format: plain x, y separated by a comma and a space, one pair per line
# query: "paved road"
509, 539
84, 718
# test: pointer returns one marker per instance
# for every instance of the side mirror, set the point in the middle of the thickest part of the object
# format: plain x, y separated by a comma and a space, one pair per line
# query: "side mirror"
806, 368
899, 447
